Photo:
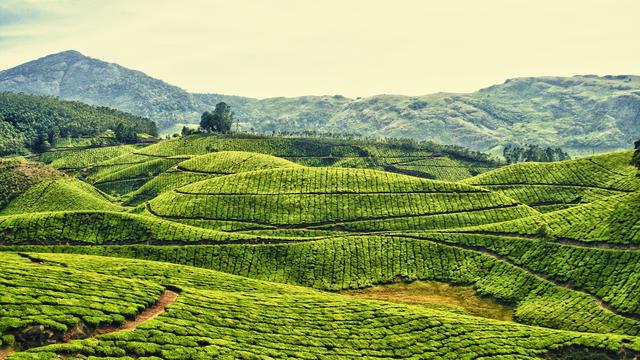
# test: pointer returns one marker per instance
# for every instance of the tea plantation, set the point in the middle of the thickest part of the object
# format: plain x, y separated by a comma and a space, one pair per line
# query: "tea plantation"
258, 236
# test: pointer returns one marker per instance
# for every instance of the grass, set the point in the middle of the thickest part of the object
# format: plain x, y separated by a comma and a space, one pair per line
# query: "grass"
358, 262
438, 295
302, 197
609, 222
444, 163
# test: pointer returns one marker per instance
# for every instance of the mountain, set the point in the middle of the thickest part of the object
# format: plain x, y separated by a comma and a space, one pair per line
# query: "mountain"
583, 114
580, 113
72, 76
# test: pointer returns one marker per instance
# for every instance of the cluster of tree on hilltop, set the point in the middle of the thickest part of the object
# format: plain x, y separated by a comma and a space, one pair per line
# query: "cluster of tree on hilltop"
36, 123
219, 120
636, 155
516, 153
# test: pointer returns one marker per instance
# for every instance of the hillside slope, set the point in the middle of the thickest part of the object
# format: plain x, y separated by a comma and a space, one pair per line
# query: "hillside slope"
24, 119
73, 76
581, 113
18, 175
557, 185
217, 315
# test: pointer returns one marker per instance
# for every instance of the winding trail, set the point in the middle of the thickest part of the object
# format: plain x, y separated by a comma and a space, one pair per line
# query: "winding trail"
315, 225
167, 298
600, 245
4, 353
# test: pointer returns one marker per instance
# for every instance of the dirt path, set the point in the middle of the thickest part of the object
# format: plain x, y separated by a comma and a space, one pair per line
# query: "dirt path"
167, 298
4, 353
80, 331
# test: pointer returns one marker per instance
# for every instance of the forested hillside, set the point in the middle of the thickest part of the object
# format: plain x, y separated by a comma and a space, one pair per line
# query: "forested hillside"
36, 123
583, 114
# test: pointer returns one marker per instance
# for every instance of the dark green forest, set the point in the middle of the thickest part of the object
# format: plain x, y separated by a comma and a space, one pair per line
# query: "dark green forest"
37, 123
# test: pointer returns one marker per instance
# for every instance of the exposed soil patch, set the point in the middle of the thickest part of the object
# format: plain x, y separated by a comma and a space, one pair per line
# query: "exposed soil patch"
438, 295
36, 260
38, 335
4, 353
167, 298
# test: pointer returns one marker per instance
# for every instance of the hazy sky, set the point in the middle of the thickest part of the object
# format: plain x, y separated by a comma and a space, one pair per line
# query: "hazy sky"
356, 48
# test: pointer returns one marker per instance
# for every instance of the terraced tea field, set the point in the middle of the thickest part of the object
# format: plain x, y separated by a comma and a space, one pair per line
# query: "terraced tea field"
261, 247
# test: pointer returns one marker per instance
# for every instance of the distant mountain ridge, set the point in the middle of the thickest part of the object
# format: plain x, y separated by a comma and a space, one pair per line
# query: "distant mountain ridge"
581, 113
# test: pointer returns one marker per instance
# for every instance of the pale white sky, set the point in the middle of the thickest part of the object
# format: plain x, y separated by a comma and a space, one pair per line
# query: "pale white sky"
352, 47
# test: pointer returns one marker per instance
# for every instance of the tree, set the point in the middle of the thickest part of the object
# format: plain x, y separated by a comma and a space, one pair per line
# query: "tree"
516, 153
53, 136
41, 144
636, 155
125, 134
220, 120
185, 131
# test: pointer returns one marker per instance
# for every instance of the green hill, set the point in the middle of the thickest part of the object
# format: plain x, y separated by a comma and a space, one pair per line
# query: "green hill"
25, 118
128, 173
333, 198
59, 195
256, 237
18, 175
203, 167
252, 318
610, 222
558, 185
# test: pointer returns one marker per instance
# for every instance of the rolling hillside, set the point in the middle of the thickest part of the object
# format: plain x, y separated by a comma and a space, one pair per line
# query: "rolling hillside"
558, 185
285, 321
241, 246
133, 172
18, 175
583, 114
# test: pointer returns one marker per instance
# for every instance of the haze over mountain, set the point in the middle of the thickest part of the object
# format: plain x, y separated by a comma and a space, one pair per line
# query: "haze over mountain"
581, 113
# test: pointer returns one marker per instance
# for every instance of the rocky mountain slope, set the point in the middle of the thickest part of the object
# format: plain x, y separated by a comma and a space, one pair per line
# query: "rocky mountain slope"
582, 113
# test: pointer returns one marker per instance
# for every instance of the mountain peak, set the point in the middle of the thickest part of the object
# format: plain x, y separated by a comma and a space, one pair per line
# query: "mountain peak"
67, 55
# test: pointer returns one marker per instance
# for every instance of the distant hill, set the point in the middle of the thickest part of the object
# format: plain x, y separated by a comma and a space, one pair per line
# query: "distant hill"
26, 118
582, 113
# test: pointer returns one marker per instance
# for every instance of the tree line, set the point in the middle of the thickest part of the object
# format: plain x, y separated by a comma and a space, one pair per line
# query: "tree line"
531, 152
37, 123
636, 155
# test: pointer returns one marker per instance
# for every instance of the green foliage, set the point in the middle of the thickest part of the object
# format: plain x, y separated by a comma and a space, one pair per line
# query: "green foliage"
515, 154
563, 184
125, 134
59, 297
351, 199
78, 159
59, 195
232, 162
18, 175
253, 206
636, 155
40, 121
221, 315
611, 220
220, 120
359, 261
105, 227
